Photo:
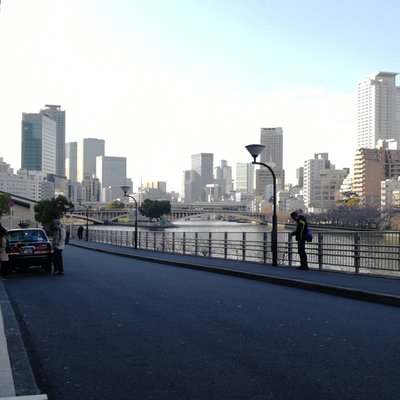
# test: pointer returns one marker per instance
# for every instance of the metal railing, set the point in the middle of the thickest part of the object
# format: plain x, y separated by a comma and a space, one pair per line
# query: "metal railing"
349, 251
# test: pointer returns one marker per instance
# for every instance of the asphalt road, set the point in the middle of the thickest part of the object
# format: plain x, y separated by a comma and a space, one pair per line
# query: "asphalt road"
116, 328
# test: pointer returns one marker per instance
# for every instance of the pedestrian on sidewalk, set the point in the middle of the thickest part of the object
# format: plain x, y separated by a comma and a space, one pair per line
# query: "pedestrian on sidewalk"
80, 232
3, 250
300, 234
59, 237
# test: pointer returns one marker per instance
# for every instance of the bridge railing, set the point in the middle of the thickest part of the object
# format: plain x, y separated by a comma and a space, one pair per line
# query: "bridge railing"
360, 252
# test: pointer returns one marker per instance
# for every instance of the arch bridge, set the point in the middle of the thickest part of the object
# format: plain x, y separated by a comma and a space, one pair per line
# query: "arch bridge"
178, 211
229, 209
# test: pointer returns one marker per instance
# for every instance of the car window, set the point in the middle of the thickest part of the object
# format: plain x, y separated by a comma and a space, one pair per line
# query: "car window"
27, 236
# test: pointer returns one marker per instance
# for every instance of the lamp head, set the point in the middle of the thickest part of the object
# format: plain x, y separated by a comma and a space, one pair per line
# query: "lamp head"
80, 201
125, 189
255, 150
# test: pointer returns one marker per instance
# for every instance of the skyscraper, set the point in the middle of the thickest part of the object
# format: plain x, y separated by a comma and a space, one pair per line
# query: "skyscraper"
245, 177
202, 166
272, 139
111, 172
38, 143
88, 150
378, 109
58, 115
71, 161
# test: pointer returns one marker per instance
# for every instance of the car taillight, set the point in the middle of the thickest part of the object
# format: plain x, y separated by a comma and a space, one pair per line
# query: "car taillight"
42, 248
15, 249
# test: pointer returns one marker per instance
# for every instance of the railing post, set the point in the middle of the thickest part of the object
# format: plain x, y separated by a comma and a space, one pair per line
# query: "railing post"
184, 243
244, 246
147, 240
225, 245
290, 249
196, 243
163, 241
173, 242
209, 244
356, 253
265, 251
320, 250
154, 241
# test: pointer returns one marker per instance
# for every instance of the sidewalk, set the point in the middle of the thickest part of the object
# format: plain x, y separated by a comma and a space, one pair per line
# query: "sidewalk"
383, 290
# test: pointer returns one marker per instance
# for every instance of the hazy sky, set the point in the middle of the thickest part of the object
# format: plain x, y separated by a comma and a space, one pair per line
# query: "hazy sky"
160, 80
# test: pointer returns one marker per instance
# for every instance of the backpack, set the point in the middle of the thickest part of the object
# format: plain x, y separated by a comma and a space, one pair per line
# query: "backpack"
309, 235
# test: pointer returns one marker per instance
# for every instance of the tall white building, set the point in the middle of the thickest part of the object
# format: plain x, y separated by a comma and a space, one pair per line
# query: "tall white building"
378, 109
88, 150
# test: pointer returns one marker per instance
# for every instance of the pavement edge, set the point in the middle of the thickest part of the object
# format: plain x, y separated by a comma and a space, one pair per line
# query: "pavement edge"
24, 381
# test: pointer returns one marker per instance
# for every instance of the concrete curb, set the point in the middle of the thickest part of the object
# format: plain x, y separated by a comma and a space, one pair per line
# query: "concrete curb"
23, 379
357, 294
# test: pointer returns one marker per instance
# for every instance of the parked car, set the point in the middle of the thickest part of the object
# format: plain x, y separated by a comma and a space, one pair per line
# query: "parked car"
28, 248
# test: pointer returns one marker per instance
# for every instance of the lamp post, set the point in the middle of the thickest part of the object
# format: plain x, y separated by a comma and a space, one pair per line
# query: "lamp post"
87, 219
125, 189
255, 150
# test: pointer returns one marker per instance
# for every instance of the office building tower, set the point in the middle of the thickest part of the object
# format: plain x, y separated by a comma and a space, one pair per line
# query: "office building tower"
378, 109
187, 186
111, 172
88, 150
58, 115
71, 161
202, 167
245, 178
38, 143
272, 139
223, 176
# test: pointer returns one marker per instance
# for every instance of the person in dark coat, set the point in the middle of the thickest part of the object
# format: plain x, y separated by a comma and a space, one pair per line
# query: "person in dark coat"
80, 232
300, 234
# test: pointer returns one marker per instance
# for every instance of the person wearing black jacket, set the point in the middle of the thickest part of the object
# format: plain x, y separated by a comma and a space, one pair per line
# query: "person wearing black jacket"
300, 234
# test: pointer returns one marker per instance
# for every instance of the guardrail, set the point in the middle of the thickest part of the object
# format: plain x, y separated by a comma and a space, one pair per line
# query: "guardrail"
359, 252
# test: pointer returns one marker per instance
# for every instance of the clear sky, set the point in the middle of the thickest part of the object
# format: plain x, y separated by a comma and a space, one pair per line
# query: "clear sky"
160, 80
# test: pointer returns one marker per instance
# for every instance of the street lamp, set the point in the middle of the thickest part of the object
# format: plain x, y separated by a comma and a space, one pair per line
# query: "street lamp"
87, 219
255, 150
125, 189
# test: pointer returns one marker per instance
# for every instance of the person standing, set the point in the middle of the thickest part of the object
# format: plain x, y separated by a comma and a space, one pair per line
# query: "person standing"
80, 232
3, 251
300, 234
58, 246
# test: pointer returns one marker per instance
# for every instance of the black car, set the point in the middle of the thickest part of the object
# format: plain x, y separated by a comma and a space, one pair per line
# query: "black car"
28, 248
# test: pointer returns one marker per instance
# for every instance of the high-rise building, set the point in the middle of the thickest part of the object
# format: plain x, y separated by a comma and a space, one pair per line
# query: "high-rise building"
245, 178
223, 176
58, 115
371, 167
272, 139
88, 150
202, 166
71, 161
378, 109
322, 183
38, 143
111, 172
